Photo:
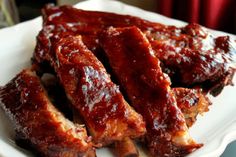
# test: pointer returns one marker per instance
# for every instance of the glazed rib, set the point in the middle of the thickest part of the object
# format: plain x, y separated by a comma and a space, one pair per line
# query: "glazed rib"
192, 57
90, 90
36, 120
189, 55
123, 148
148, 90
192, 102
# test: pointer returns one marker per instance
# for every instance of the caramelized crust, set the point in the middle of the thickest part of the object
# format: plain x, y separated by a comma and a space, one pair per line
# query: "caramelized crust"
139, 73
93, 94
191, 102
36, 120
140, 54
189, 55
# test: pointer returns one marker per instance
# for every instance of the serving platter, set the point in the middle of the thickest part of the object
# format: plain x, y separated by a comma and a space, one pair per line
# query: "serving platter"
215, 129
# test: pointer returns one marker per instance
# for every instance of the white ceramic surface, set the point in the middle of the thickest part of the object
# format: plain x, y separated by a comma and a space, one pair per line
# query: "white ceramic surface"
215, 129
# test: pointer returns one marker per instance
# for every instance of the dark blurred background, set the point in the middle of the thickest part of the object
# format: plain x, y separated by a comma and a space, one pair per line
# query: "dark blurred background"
29, 9
215, 14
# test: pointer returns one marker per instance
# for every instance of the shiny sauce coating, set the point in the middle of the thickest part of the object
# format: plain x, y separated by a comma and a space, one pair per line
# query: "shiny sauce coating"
189, 55
91, 91
148, 89
36, 121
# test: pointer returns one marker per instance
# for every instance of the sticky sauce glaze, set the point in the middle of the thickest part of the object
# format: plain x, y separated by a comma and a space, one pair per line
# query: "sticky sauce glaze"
189, 55
91, 91
37, 122
148, 89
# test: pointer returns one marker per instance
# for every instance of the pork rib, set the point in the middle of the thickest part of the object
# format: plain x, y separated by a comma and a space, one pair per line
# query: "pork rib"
189, 55
89, 88
36, 120
139, 73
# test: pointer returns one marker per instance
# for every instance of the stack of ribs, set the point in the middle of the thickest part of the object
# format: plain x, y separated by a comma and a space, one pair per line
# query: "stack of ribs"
122, 78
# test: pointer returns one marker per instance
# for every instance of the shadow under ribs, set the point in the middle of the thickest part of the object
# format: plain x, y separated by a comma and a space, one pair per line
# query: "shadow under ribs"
107, 115
37, 121
148, 89
189, 55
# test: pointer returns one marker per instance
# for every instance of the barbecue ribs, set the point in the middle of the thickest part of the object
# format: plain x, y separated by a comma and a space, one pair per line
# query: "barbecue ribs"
148, 90
143, 58
189, 55
88, 86
37, 121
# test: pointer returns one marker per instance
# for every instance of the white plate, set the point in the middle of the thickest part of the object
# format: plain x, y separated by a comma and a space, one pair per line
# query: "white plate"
215, 129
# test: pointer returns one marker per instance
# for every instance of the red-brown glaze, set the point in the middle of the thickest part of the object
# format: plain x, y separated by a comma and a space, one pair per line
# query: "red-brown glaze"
63, 21
26, 104
189, 55
91, 91
139, 73
191, 102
